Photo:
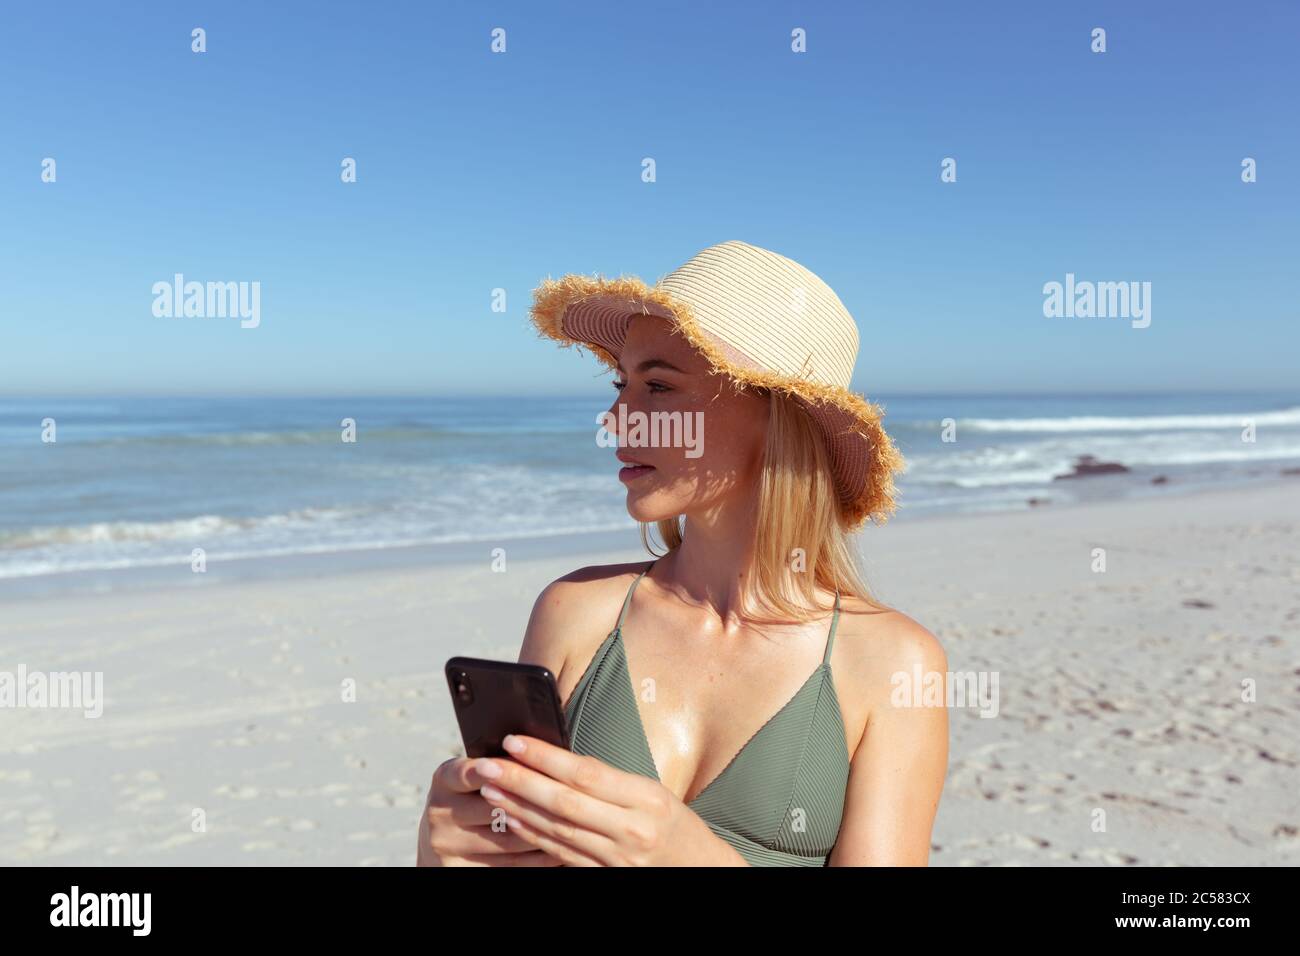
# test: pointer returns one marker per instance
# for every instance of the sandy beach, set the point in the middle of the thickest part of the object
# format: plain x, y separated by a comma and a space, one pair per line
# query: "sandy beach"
1120, 691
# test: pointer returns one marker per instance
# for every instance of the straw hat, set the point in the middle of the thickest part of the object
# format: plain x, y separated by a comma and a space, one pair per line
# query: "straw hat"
762, 320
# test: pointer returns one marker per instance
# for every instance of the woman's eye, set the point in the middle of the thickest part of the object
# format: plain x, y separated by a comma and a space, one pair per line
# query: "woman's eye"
654, 386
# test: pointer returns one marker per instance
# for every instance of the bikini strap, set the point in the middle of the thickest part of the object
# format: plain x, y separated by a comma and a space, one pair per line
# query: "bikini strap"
628, 600
835, 620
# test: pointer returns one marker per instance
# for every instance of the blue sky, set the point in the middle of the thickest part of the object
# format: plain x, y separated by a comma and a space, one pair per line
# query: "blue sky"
478, 171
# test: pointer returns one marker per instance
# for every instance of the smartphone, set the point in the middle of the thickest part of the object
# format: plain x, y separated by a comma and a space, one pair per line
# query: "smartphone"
495, 698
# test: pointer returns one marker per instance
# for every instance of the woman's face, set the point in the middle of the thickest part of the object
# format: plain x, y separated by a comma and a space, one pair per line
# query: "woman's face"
707, 441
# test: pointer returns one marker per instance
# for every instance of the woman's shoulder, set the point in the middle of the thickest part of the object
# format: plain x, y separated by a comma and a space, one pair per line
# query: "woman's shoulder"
575, 612
888, 634
586, 589
881, 642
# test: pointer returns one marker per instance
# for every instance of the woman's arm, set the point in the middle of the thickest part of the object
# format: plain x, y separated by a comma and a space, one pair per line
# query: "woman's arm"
899, 768
550, 623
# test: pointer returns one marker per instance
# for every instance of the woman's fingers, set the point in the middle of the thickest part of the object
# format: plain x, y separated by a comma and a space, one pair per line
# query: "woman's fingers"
532, 858
564, 852
460, 823
482, 841
457, 775
451, 840
575, 799
463, 827
560, 835
464, 809
586, 774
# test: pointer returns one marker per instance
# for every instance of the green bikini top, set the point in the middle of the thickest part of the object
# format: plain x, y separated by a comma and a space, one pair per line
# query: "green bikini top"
780, 799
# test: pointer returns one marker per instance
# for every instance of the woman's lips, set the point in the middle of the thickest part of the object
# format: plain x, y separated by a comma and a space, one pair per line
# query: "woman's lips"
633, 472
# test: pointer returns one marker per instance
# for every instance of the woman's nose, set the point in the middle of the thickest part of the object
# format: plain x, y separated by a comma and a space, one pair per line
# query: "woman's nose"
617, 412
611, 417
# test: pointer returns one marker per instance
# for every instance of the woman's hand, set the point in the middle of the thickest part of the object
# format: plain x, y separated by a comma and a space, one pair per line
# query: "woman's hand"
583, 812
459, 828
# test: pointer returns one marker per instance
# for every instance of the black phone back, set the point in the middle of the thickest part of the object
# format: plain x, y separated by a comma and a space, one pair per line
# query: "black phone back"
495, 698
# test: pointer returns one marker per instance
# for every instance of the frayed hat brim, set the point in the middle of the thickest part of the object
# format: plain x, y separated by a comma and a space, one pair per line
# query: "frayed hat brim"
864, 458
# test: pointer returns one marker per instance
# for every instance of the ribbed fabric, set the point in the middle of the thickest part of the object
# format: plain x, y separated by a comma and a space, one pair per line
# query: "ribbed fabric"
728, 285
779, 801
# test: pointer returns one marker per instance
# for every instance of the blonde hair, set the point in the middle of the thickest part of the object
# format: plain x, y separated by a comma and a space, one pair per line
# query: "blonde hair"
801, 541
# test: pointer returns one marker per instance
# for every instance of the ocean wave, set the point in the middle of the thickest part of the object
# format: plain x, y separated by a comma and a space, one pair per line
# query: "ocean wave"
299, 437
324, 436
1103, 423
68, 563
117, 532
1039, 464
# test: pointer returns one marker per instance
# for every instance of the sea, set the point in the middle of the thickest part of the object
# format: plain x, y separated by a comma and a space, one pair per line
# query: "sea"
118, 483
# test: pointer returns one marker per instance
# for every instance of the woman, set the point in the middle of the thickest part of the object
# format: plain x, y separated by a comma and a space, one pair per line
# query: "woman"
739, 711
